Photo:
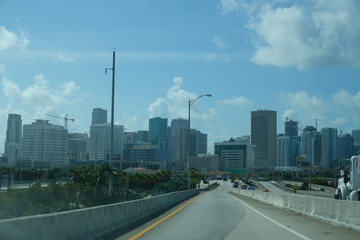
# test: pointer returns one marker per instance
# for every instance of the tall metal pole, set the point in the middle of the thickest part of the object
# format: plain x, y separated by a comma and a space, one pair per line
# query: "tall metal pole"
112, 125
188, 149
188, 143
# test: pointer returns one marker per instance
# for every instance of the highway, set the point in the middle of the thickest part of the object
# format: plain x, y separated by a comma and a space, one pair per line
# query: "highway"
223, 214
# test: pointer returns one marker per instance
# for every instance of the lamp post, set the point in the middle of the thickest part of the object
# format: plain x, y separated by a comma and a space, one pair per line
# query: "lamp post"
112, 125
188, 148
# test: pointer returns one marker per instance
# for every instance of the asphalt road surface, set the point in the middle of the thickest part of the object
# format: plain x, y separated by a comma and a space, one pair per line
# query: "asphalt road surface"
224, 214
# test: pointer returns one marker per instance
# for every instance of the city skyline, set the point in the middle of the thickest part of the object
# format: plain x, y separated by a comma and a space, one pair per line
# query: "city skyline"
299, 59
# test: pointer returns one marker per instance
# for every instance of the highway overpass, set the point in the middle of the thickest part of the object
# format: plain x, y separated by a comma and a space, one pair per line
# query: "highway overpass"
223, 213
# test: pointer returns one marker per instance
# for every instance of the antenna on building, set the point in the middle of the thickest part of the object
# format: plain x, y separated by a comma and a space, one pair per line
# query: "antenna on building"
316, 122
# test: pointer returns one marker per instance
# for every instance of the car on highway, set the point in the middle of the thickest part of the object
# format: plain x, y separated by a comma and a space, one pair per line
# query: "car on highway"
235, 185
244, 186
251, 187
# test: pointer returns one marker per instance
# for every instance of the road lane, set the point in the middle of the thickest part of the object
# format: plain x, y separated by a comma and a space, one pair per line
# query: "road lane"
223, 214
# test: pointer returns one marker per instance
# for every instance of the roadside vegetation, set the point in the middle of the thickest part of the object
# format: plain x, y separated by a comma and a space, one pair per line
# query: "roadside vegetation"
84, 187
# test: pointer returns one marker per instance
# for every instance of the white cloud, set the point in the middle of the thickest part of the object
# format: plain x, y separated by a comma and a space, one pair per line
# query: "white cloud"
2, 68
10, 39
63, 58
349, 102
39, 94
305, 34
69, 88
175, 105
304, 108
228, 6
236, 101
220, 42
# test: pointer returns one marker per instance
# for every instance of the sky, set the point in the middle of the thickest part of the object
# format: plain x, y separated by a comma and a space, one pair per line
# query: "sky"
298, 58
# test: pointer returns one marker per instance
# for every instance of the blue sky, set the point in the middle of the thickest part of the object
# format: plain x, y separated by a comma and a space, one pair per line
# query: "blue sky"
299, 58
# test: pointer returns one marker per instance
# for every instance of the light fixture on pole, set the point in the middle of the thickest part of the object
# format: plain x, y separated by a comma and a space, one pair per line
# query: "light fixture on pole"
188, 142
112, 125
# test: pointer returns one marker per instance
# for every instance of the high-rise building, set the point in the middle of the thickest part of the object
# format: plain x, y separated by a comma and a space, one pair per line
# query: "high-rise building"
45, 145
328, 146
283, 152
263, 138
356, 135
142, 136
205, 163
99, 116
78, 147
178, 143
291, 128
310, 146
13, 138
345, 143
100, 142
158, 132
234, 156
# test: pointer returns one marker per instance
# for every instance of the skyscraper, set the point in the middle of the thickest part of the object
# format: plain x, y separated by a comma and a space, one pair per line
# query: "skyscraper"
100, 142
234, 156
291, 128
263, 137
178, 143
310, 146
45, 145
328, 146
13, 138
356, 135
158, 131
99, 116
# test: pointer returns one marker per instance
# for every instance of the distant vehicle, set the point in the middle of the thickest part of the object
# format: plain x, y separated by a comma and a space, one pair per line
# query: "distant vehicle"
348, 185
205, 181
233, 179
235, 185
251, 187
244, 186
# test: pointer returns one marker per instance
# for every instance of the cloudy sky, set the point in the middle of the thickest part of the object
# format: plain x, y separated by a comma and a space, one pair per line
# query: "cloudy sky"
299, 58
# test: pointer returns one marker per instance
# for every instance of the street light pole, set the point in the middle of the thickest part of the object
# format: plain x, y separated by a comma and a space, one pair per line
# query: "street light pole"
188, 142
112, 125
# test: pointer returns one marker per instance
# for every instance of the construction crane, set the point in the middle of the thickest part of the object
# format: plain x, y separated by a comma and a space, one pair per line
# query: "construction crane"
65, 118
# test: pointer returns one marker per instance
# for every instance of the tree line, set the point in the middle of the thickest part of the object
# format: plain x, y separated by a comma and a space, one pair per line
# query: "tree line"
84, 187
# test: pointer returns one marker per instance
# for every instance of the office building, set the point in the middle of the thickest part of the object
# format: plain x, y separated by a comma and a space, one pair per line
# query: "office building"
145, 156
99, 116
158, 132
356, 135
45, 145
328, 146
291, 128
205, 163
78, 147
345, 144
13, 139
100, 142
234, 156
178, 143
283, 152
263, 138
310, 146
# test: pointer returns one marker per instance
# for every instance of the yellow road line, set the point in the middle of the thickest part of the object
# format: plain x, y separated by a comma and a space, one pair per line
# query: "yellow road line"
163, 219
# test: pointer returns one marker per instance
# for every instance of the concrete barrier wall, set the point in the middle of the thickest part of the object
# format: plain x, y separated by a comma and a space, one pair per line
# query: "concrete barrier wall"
343, 213
89, 223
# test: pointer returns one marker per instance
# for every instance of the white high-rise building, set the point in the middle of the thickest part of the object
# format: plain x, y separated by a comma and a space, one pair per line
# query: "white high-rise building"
45, 145
100, 142
13, 138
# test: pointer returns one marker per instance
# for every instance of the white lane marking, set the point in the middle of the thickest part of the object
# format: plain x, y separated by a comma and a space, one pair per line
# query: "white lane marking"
272, 220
